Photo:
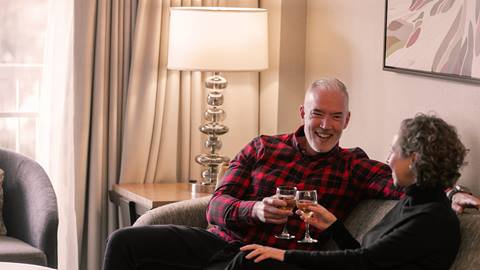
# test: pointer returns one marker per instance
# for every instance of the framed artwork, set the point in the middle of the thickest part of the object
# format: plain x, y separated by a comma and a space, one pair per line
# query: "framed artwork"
439, 38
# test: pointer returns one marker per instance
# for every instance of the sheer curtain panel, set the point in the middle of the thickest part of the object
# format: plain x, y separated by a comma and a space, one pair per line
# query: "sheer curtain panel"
54, 145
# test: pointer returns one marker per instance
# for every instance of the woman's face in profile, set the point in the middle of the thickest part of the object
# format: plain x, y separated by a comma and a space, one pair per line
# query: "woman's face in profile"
402, 175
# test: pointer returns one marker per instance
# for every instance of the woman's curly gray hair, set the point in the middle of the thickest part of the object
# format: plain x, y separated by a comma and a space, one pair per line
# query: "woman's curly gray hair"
439, 152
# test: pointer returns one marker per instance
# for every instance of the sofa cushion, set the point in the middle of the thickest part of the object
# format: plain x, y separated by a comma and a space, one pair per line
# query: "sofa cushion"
3, 229
222, 168
14, 250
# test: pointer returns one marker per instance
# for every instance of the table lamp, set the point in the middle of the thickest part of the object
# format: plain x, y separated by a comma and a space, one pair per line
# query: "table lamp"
215, 39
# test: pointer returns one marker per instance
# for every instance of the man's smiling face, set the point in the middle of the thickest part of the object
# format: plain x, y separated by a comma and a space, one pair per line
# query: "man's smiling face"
325, 115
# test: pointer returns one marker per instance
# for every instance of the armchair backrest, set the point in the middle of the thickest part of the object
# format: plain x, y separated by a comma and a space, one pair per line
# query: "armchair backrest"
30, 205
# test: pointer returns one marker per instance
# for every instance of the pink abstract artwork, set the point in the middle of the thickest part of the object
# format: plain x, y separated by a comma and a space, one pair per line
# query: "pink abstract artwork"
434, 37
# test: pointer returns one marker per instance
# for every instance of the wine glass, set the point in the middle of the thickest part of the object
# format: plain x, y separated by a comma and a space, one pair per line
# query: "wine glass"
286, 194
304, 199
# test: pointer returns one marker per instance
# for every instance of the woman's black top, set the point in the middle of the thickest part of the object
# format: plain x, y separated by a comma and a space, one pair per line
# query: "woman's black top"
420, 232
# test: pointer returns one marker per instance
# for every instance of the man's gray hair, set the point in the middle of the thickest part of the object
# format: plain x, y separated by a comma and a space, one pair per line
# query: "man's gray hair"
329, 83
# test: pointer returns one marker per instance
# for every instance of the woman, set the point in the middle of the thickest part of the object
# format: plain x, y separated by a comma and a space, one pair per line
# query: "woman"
420, 232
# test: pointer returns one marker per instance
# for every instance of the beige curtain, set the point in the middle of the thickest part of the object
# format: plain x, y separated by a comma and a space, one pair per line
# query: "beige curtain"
103, 38
134, 120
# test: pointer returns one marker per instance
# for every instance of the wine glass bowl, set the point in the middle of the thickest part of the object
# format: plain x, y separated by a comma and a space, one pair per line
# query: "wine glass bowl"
305, 198
290, 200
287, 194
303, 206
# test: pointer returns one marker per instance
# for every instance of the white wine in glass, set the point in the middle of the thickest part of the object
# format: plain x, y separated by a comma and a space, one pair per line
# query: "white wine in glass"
286, 194
303, 205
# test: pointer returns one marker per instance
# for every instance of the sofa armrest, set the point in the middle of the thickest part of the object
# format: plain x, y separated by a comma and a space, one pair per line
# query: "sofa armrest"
190, 213
467, 256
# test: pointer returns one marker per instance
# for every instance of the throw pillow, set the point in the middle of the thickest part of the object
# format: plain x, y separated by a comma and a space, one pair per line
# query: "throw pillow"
221, 171
3, 229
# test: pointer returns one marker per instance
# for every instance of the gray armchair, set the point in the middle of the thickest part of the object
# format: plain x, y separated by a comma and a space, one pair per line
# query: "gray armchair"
29, 211
364, 217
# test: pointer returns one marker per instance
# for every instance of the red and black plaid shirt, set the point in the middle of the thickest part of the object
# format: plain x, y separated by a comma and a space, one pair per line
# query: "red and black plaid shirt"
342, 177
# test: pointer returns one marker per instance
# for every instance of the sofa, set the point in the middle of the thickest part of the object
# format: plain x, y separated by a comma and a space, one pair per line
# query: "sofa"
363, 217
30, 212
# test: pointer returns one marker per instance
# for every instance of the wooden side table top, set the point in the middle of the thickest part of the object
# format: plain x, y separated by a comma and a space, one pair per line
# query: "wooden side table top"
156, 194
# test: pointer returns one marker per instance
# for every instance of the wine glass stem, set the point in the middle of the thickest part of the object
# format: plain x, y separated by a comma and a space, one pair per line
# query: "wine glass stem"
285, 231
307, 231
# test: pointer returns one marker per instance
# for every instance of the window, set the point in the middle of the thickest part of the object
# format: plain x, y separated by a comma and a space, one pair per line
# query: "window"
22, 41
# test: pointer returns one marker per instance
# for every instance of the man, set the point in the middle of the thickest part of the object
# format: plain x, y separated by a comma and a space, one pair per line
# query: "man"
243, 209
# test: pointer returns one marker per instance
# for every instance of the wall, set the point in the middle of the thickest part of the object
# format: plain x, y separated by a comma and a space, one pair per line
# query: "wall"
345, 40
241, 106
269, 79
281, 86
292, 64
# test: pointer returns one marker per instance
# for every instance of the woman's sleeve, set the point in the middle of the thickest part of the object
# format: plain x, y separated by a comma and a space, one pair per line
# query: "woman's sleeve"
342, 236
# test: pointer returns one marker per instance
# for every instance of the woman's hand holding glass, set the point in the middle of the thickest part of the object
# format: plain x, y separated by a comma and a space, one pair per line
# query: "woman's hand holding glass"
317, 216
305, 199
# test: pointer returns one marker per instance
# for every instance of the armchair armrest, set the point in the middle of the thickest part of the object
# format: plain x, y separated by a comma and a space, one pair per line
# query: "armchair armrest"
189, 213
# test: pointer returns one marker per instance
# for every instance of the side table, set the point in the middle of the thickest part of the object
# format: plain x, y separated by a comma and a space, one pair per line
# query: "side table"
134, 200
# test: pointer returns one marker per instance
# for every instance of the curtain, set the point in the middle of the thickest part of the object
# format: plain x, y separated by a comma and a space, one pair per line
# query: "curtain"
134, 121
55, 128
103, 40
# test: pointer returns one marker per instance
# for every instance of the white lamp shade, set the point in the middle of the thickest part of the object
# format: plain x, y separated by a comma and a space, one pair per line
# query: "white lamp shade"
218, 39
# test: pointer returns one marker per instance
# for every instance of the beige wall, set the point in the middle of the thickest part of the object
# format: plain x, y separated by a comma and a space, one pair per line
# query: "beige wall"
292, 64
345, 40
241, 107
281, 86
269, 79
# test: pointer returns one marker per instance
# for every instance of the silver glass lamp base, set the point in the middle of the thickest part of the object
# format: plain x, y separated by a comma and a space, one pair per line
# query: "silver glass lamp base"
213, 128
